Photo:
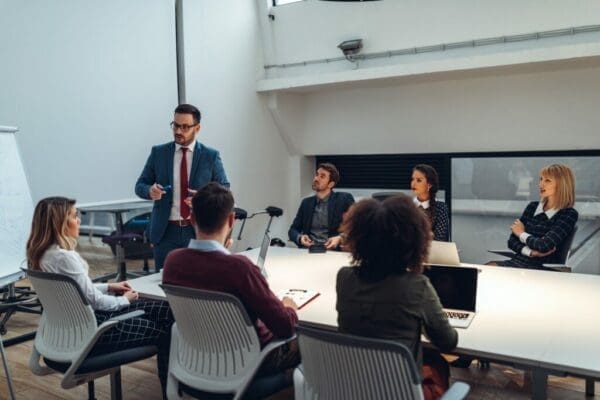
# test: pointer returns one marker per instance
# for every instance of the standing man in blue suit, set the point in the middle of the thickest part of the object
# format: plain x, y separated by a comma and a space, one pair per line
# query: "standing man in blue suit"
320, 216
172, 174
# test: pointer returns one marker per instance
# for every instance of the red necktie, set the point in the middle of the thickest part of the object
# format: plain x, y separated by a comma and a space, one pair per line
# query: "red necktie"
183, 185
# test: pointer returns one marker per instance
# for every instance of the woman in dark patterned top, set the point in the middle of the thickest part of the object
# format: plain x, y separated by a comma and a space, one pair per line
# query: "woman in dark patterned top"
424, 183
384, 294
544, 225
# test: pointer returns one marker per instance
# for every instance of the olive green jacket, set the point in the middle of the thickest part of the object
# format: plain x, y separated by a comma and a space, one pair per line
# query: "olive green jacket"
398, 307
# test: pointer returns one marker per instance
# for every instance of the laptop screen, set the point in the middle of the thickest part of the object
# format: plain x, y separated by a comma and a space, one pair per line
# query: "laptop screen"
264, 247
455, 286
444, 253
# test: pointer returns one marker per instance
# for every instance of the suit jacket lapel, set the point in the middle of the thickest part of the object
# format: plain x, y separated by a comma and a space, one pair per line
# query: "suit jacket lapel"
170, 158
195, 165
330, 209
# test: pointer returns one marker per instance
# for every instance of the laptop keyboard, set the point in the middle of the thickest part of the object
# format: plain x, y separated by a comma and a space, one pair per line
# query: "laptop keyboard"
457, 314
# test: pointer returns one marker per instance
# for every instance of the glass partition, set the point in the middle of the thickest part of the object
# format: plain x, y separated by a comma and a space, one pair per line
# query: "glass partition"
489, 193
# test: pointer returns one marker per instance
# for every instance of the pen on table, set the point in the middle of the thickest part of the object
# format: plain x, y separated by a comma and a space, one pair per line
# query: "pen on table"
297, 290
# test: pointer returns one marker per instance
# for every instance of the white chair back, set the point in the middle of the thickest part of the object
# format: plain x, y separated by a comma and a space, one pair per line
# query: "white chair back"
340, 366
68, 322
214, 344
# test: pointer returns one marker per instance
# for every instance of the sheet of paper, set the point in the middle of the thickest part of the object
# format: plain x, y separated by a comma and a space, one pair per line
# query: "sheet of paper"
300, 296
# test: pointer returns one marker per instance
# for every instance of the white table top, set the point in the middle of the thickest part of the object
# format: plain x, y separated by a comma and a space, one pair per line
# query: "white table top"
535, 318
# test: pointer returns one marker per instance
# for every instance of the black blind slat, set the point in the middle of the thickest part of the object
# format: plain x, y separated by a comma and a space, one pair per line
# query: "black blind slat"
384, 171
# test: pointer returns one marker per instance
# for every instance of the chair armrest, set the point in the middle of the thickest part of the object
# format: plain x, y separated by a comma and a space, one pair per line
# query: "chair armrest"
263, 353
504, 253
274, 344
557, 267
129, 315
106, 325
457, 391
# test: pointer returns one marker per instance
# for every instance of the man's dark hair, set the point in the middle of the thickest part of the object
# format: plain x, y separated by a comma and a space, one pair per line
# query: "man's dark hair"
334, 174
386, 238
211, 206
189, 109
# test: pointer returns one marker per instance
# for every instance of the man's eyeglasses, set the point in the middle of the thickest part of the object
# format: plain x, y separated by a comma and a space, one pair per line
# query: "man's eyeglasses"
184, 128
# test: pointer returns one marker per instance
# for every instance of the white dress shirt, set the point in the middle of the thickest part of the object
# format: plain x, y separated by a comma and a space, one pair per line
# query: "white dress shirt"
175, 207
70, 263
208, 245
422, 204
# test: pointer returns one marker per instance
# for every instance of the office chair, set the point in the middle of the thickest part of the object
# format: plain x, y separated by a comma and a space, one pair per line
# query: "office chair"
563, 252
11, 390
215, 349
68, 331
381, 196
347, 367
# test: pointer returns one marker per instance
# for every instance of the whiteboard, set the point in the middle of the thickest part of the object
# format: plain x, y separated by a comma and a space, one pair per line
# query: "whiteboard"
16, 208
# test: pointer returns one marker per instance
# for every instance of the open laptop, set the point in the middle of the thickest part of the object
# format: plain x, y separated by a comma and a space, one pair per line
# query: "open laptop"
457, 289
443, 253
262, 255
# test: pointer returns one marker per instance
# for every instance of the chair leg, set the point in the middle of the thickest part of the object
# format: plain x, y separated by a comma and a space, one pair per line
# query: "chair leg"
589, 386
115, 385
91, 391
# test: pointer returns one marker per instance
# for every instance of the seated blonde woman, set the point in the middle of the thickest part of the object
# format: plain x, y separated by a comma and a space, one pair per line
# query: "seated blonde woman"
545, 224
51, 248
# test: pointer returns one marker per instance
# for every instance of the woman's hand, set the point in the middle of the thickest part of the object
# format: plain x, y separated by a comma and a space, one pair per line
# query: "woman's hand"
131, 295
119, 287
535, 253
517, 227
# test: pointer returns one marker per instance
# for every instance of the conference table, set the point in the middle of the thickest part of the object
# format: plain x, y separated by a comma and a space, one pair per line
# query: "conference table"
542, 321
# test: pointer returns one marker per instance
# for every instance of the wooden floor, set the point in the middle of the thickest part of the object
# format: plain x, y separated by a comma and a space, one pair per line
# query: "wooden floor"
140, 381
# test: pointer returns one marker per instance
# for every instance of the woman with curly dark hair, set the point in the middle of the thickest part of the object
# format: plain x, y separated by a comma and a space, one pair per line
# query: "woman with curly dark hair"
384, 294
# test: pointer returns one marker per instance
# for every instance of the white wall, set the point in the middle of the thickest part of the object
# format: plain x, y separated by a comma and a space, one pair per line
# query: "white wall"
532, 105
542, 109
312, 29
91, 85
223, 60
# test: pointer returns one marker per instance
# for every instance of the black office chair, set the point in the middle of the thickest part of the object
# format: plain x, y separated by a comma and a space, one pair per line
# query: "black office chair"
381, 196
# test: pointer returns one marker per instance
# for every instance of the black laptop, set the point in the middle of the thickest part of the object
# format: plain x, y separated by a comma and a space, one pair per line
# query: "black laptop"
457, 289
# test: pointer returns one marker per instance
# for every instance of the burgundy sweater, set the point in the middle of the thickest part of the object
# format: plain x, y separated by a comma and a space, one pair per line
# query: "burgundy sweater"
236, 275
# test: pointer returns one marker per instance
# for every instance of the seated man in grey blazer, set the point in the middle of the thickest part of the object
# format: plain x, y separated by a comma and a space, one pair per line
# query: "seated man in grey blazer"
320, 216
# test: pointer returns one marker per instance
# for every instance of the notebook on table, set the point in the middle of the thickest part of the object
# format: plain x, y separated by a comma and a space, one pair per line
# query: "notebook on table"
457, 289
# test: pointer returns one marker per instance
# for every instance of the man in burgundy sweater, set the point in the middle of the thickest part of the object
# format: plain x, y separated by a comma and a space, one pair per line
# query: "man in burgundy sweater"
207, 264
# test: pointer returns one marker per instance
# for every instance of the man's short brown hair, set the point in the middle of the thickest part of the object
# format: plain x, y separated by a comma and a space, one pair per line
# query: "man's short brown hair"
211, 206
334, 174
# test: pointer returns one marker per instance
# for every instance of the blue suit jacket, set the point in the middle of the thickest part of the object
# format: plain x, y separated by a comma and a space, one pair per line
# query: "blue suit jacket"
338, 204
206, 167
